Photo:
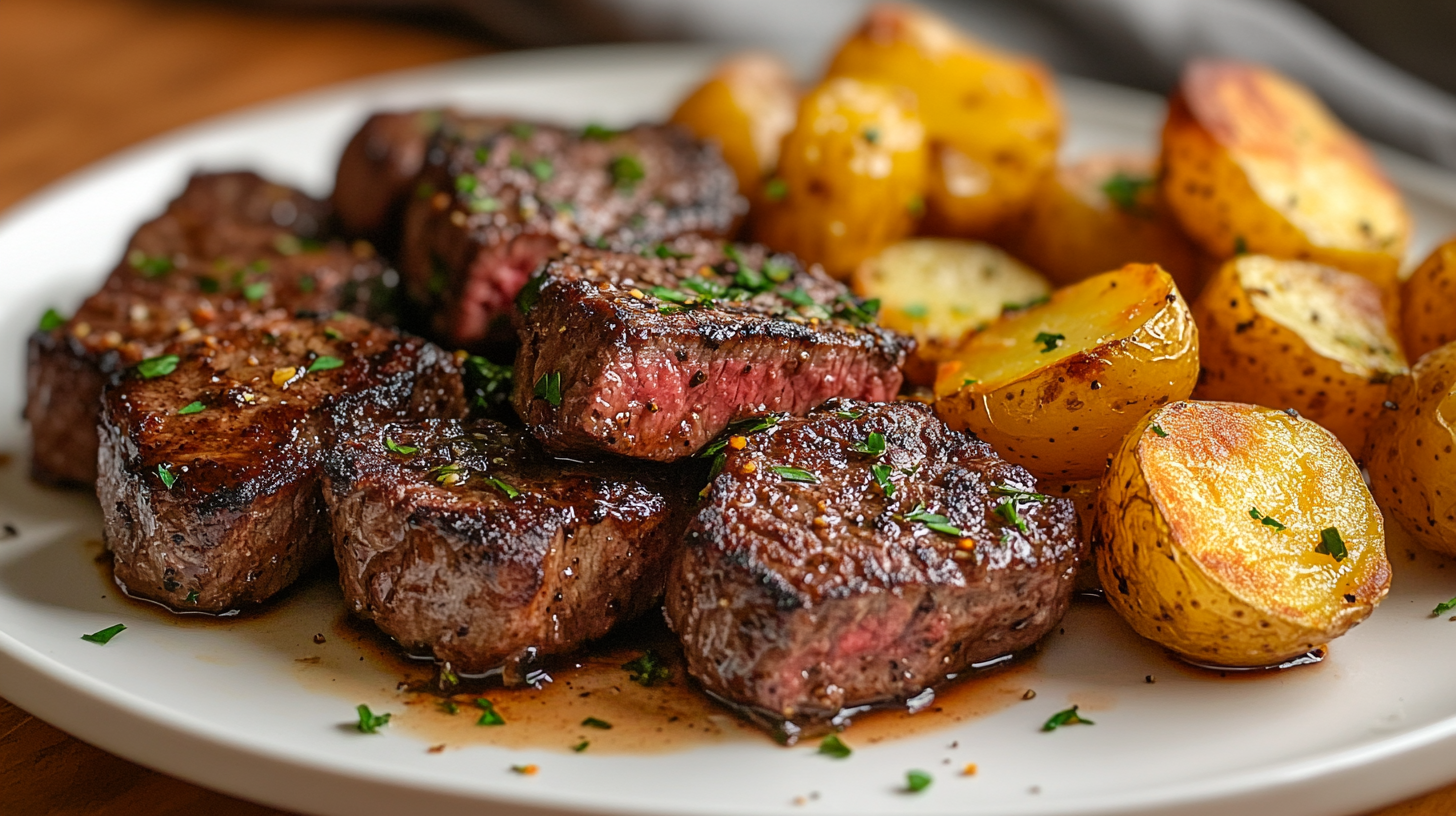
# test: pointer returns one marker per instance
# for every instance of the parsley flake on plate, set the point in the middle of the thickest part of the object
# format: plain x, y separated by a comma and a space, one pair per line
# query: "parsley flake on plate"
105, 635
1066, 717
834, 747
369, 722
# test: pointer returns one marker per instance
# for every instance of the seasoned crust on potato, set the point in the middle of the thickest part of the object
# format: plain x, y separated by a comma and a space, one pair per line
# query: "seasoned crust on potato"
1291, 334
1428, 302
1215, 521
1412, 451
1254, 162
1055, 388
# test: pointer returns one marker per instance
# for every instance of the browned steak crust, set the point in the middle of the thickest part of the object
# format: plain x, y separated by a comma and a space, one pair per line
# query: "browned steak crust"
655, 353
377, 173
802, 601
497, 197
232, 248
210, 472
467, 542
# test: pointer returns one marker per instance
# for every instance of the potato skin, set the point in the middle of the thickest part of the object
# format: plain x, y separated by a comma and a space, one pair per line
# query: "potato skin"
1286, 354
1410, 455
993, 118
1428, 302
852, 173
1185, 563
1099, 213
1254, 162
746, 105
1062, 418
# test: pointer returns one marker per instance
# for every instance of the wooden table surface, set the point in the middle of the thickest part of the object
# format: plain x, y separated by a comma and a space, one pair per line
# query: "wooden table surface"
80, 79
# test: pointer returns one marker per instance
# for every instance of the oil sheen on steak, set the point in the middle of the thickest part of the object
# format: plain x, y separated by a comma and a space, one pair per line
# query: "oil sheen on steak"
210, 473
232, 248
804, 591
377, 173
650, 355
467, 542
497, 197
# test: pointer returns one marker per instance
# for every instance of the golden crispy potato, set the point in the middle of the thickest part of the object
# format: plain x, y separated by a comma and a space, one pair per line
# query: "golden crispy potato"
850, 175
1428, 302
746, 105
993, 118
1237, 535
1100, 213
1410, 454
1291, 334
937, 289
1055, 388
1253, 162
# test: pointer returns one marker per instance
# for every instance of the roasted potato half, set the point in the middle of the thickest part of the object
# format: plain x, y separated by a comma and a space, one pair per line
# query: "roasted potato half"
1253, 162
937, 289
1237, 535
1410, 454
1055, 388
1084, 500
851, 176
746, 105
1428, 302
993, 118
1100, 213
1291, 334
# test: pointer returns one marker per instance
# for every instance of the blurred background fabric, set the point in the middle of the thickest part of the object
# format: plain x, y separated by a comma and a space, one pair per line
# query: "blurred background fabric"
1382, 65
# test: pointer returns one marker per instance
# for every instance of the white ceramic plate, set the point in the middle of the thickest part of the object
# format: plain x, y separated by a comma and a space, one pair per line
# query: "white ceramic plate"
231, 708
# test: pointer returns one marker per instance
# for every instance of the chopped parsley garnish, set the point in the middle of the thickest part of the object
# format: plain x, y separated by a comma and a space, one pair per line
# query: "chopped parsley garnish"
449, 707
916, 206
1123, 190
525, 770
541, 169
597, 132
874, 445
192, 597
664, 251
581, 746
777, 268
798, 297
858, 312
530, 294
194, 407
522, 130
208, 284
1158, 429
548, 388
154, 367
402, 450
833, 746
151, 266
165, 474
504, 487
369, 722
487, 384
1444, 607
917, 311
882, 478
306, 284
871, 135
1067, 717
466, 183
626, 171
450, 474
325, 363
52, 319
793, 474
647, 670
1331, 544
1051, 342
483, 204
775, 189
1007, 511
1018, 494
488, 714
288, 244
1268, 521
482, 155
333, 333
1241, 247
742, 427
917, 781
255, 292
849, 414
1026, 304
105, 635
593, 722
934, 521
705, 287
664, 293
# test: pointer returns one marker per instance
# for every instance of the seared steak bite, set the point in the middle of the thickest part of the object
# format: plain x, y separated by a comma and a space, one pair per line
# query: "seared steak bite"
209, 464
496, 198
859, 556
650, 355
233, 247
465, 541
377, 173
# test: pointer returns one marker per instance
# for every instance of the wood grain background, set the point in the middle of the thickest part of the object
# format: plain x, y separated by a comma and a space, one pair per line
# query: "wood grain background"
80, 79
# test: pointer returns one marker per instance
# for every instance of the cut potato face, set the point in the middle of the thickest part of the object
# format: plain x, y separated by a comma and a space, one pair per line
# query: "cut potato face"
1237, 535
1428, 303
1084, 499
938, 289
993, 118
851, 176
1412, 451
1253, 162
746, 106
1055, 388
1290, 334
1101, 213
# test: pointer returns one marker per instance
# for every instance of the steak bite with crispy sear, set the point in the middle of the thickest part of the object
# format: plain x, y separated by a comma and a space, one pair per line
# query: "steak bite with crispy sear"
210, 453
859, 556
497, 197
651, 355
232, 248
464, 540
377, 173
